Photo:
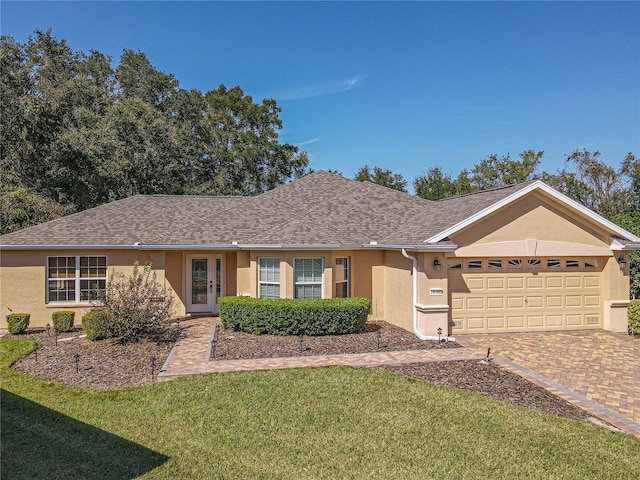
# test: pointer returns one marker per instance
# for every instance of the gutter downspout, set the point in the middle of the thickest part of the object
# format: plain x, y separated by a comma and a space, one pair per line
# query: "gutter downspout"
414, 274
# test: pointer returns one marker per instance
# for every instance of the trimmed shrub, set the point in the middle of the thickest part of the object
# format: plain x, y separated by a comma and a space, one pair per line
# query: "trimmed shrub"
17, 322
633, 313
63, 321
336, 316
137, 304
95, 323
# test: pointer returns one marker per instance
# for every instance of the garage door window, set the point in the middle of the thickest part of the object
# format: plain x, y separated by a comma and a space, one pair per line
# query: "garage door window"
515, 263
573, 264
495, 263
553, 263
534, 263
474, 264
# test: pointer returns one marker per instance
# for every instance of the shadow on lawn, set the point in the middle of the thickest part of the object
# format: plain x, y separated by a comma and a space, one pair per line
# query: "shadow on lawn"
37, 442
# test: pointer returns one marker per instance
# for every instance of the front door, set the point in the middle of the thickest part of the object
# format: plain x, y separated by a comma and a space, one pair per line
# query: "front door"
204, 283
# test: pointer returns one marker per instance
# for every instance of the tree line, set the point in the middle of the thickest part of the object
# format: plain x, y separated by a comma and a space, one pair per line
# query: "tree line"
77, 133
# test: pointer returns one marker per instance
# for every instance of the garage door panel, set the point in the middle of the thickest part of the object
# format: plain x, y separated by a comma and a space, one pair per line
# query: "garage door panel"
573, 319
515, 283
573, 301
554, 320
475, 323
592, 300
592, 282
554, 301
495, 303
534, 282
475, 283
491, 301
515, 303
554, 282
573, 282
534, 302
515, 322
475, 303
535, 321
496, 323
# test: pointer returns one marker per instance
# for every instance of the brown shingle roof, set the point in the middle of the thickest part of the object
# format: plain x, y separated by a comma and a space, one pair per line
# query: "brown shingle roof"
318, 209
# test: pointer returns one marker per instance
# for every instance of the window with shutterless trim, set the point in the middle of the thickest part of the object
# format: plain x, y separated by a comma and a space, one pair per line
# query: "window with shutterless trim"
76, 278
307, 278
342, 275
268, 277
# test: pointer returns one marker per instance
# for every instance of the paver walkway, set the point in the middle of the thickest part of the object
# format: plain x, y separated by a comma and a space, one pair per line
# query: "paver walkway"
596, 370
191, 356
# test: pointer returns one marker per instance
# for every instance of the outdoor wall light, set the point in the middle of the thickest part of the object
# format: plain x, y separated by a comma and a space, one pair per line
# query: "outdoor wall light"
436, 263
622, 262
439, 333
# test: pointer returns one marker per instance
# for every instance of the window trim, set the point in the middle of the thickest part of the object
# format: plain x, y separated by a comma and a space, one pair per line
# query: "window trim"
262, 282
347, 279
295, 259
77, 278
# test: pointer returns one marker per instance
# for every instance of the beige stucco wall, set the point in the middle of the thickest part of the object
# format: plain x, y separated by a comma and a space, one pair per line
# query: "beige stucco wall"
23, 281
532, 217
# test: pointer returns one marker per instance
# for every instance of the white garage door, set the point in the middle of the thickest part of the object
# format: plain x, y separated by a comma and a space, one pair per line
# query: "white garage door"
515, 295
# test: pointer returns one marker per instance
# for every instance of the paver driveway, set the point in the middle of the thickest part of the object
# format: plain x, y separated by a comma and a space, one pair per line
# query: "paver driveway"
597, 370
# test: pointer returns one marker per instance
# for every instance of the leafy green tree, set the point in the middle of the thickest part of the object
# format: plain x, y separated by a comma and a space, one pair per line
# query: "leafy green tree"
21, 208
242, 154
595, 184
631, 222
386, 178
79, 133
436, 185
494, 172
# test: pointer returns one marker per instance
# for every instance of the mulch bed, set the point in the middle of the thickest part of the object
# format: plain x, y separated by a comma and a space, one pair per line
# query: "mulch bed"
107, 364
102, 365
490, 380
377, 337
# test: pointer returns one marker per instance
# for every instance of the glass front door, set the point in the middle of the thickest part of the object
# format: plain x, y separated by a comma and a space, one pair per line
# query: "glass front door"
204, 283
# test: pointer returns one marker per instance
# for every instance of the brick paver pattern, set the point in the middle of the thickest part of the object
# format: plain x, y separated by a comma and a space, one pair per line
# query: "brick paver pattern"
596, 370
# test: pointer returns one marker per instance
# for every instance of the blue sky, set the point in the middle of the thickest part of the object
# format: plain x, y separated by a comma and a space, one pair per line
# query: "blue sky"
404, 86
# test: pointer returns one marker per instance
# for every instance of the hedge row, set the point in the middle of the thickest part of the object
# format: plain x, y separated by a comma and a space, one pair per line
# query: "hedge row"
336, 316
633, 312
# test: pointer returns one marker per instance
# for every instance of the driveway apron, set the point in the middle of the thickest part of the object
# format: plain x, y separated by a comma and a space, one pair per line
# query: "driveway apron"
596, 370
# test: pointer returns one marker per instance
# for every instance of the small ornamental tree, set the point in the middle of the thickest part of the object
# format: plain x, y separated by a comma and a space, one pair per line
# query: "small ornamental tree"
137, 304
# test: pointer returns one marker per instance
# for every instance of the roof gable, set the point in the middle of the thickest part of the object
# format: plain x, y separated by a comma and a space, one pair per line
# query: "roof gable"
526, 189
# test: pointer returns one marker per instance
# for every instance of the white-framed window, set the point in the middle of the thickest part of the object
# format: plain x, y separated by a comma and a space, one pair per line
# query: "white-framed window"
76, 278
343, 275
268, 277
307, 278
494, 263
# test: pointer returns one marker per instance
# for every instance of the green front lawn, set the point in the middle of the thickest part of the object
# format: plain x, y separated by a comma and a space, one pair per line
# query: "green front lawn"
303, 423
